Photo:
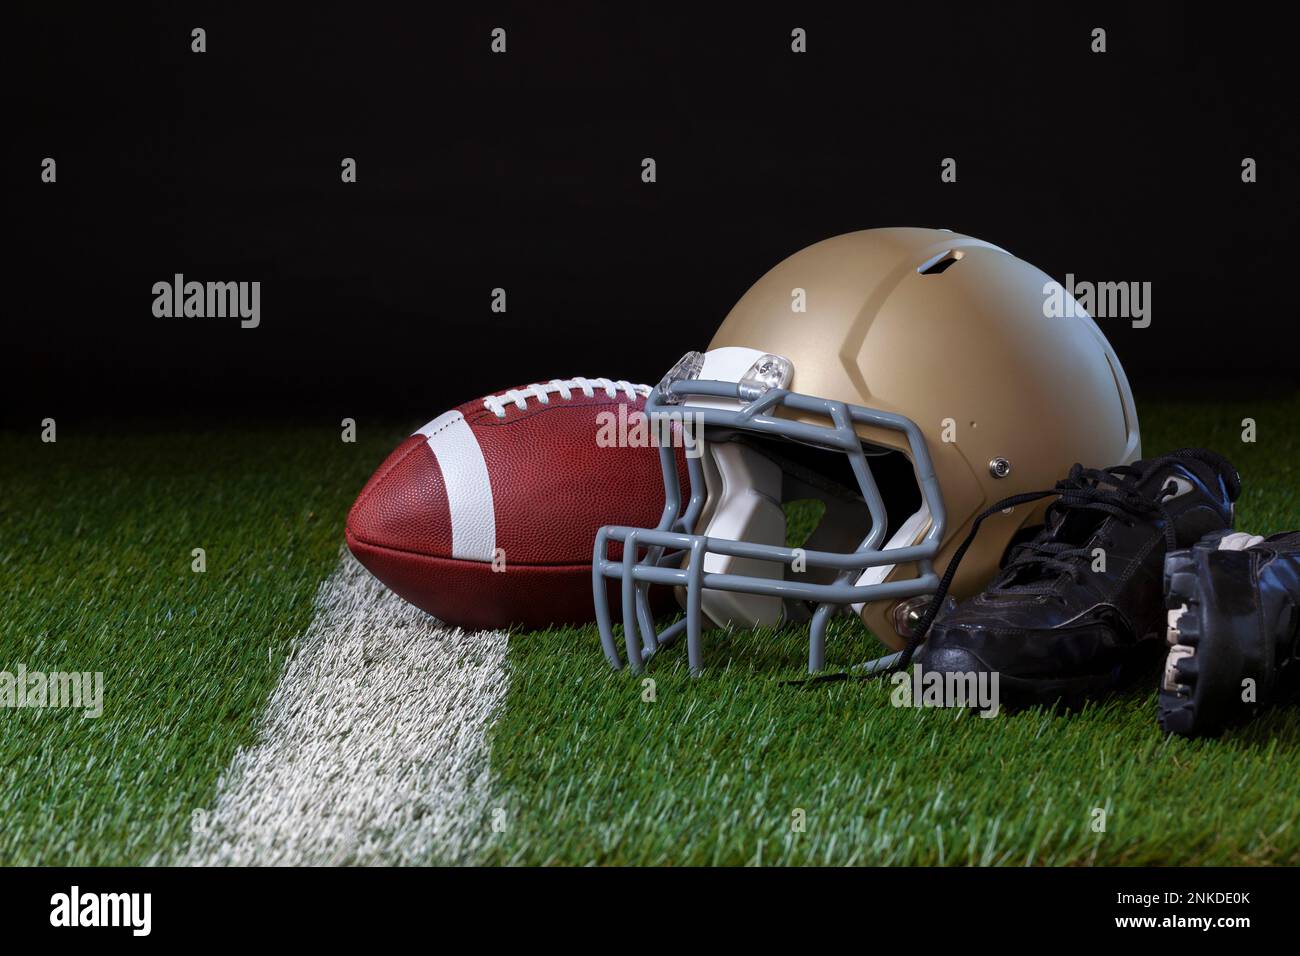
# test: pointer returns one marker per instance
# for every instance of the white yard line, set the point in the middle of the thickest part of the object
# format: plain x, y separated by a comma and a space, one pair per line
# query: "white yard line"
373, 748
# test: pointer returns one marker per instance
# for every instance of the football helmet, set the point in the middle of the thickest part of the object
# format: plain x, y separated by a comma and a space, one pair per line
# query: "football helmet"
900, 379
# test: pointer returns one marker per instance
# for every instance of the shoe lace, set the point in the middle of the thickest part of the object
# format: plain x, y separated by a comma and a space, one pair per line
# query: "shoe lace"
1113, 492
1033, 566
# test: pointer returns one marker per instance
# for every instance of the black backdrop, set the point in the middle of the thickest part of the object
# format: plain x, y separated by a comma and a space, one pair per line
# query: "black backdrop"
523, 171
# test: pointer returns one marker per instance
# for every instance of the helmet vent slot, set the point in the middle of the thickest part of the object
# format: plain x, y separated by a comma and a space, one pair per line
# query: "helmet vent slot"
940, 263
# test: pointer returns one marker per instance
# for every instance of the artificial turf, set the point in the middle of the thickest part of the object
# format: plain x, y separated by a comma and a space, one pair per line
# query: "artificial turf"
717, 769
96, 534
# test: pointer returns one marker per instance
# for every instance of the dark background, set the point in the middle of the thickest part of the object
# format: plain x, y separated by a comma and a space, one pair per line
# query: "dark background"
523, 171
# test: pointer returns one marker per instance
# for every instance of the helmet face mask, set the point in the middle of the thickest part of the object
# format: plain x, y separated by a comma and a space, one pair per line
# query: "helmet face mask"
956, 370
675, 539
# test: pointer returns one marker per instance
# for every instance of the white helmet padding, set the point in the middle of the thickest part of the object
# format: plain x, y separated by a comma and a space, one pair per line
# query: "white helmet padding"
747, 486
744, 493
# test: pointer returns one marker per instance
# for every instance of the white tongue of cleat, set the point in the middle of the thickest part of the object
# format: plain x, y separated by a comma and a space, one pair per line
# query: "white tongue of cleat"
1239, 541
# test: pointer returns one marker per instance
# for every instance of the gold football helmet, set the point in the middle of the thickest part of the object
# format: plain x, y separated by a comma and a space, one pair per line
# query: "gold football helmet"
904, 379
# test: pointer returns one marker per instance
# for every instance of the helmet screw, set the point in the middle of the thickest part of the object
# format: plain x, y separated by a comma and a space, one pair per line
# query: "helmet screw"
999, 468
907, 614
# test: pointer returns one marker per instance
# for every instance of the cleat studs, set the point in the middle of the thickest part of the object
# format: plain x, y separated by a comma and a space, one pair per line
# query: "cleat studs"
1179, 573
1171, 624
1173, 681
1180, 585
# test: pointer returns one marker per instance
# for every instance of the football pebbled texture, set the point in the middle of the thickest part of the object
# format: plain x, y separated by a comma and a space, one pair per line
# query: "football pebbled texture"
515, 481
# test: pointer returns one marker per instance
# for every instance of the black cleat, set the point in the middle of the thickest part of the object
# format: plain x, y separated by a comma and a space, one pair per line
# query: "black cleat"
1233, 604
1078, 609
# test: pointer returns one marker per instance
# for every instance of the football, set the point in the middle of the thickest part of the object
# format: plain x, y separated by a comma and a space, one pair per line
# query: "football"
486, 517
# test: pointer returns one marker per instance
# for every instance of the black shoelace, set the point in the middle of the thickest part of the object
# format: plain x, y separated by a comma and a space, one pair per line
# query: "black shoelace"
1112, 491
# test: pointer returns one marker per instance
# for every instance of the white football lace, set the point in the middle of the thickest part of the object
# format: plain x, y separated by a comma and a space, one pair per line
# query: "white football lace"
519, 397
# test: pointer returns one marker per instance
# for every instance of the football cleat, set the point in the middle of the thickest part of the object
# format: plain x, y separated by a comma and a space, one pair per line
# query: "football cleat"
1078, 609
1232, 604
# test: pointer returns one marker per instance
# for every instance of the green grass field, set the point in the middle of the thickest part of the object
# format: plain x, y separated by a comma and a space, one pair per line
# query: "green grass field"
96, 534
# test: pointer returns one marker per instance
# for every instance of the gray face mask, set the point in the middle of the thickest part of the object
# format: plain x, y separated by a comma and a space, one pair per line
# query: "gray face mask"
737, 567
